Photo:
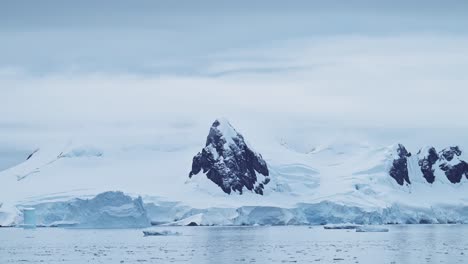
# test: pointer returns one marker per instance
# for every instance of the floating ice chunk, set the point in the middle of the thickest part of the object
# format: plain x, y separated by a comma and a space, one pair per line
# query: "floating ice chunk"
343, 226
371, 229
161, 233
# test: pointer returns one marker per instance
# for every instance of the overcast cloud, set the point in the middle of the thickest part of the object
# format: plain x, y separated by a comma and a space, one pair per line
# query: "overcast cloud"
370, 63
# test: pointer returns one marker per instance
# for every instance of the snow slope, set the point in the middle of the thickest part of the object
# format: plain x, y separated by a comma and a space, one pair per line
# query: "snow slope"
317, 176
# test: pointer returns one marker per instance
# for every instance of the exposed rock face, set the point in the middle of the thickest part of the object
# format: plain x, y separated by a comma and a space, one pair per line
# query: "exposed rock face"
428, 157
32, 154
399, 169
450, 153
452, 165
449, 161
229, 162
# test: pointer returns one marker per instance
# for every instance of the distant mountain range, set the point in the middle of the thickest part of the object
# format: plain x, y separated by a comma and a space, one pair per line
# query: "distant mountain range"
230, 183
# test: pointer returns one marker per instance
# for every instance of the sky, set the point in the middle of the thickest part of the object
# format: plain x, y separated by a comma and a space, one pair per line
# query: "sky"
376, 64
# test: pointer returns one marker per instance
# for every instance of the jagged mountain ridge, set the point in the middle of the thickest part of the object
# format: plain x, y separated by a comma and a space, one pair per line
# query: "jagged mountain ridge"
229, 162
448, 160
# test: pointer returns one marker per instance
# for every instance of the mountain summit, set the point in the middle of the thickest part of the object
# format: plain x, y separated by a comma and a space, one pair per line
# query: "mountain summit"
229, 162
432, 164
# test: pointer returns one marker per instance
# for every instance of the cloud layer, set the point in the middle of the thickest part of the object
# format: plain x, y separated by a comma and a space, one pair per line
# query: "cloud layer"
399, 80
109, 67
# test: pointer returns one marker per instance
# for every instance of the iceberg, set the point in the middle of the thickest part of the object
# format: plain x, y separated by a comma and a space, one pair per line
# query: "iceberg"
363, 229
161, 233
344, 226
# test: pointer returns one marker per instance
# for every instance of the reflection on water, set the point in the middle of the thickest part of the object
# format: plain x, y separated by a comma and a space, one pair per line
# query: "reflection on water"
403, 244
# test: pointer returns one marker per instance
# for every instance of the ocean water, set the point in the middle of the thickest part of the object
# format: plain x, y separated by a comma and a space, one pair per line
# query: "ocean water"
281, 244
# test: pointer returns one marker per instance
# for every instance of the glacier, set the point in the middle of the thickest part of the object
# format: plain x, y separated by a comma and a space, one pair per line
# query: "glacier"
117, 210
106, 210
315, 177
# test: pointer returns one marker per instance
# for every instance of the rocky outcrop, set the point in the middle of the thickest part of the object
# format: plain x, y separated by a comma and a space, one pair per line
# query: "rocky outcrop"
452, 165
32, 154
428, 157
399, 168
432, 164
229, 162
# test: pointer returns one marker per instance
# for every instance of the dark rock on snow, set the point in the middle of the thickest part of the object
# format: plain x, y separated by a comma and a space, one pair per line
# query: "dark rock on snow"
32, 154
229, 162
448, 160
399, 169
430, 157
454, 169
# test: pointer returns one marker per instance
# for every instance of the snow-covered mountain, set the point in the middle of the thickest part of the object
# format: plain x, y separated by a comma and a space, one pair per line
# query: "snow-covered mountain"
305, 176
449, 164
229, 162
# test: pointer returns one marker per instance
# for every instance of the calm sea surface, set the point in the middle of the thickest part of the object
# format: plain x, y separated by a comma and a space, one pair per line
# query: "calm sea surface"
289, 244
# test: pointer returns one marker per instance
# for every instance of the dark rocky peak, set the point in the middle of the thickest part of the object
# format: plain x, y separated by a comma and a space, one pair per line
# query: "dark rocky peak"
402, 152
399, 168
229, 162
450, 152
427, 157
449, 161
452, 165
